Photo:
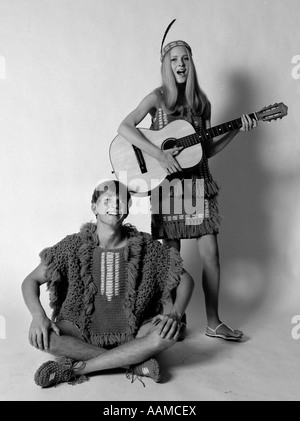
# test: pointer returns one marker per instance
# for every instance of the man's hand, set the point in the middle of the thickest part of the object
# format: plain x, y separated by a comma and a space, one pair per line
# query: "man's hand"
169, 325
39, 332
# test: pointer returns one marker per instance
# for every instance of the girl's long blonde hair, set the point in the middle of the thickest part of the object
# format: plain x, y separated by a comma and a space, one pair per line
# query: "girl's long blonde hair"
195, 97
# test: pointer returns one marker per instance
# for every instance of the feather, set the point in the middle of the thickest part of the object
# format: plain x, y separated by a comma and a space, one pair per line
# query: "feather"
165, 34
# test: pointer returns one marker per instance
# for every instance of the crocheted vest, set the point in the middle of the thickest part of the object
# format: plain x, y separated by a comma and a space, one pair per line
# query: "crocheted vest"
110, 277
108, 294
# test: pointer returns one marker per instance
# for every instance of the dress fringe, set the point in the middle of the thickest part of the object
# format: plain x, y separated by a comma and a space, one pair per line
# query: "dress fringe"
185, 226
211, 189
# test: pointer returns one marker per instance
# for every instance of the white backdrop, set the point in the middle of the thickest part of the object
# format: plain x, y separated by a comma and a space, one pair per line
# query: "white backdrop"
70, 70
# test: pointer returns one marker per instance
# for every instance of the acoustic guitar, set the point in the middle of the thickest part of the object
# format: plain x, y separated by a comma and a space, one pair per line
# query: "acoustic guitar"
142, 173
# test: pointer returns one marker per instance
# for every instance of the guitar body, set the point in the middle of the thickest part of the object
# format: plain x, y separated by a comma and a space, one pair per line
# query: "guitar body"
142, 179
142, 173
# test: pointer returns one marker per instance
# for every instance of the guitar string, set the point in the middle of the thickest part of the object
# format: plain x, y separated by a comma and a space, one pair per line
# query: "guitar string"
193, 139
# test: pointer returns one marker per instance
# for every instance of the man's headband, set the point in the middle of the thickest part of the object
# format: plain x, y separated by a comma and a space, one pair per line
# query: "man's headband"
172, 44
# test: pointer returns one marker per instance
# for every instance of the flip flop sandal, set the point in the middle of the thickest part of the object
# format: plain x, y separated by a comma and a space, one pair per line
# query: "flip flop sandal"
215, 333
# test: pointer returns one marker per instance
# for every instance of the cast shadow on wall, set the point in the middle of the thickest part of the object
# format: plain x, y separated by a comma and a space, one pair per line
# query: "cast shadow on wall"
244, 239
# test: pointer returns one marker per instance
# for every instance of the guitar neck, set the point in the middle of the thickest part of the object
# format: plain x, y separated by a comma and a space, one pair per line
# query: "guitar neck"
224, 128
194, 139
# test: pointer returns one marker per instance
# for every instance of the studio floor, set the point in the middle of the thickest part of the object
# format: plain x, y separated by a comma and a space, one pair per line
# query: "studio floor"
264, 367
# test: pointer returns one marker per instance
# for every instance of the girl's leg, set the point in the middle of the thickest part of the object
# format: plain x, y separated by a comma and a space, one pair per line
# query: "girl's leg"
209, 253
177, 245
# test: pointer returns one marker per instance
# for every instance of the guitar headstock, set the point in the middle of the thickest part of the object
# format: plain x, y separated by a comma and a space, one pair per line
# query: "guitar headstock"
272, 112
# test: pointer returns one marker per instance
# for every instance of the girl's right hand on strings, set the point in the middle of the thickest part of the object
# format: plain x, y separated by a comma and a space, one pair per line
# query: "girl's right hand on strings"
168, 162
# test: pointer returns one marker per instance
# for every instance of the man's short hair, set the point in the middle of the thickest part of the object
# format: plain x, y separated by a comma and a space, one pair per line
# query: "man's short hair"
114, 187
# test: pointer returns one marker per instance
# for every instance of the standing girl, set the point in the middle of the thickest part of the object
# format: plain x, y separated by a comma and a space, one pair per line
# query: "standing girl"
180, 97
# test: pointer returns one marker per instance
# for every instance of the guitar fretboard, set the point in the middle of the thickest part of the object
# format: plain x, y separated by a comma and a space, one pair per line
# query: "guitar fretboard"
193, 139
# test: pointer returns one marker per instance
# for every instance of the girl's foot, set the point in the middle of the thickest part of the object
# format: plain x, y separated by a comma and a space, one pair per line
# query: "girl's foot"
224, 332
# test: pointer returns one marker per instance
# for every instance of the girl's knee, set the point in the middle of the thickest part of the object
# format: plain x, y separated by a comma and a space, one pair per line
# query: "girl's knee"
209, 250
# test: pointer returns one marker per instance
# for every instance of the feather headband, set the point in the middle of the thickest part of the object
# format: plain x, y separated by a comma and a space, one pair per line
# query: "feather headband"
172, 44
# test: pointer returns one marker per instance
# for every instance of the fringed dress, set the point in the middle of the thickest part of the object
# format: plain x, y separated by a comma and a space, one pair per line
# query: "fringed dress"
177, 223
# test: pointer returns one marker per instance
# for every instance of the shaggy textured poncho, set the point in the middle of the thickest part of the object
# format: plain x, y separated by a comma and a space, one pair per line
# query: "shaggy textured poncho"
152, 272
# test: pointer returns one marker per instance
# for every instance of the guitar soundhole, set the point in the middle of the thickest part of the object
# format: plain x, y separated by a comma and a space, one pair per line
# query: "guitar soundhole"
169, 143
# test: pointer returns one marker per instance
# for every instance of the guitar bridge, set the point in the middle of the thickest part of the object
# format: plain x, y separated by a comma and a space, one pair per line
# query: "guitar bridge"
140, 159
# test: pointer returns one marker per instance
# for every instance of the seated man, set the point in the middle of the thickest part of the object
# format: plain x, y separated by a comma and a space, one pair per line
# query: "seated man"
107, 284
